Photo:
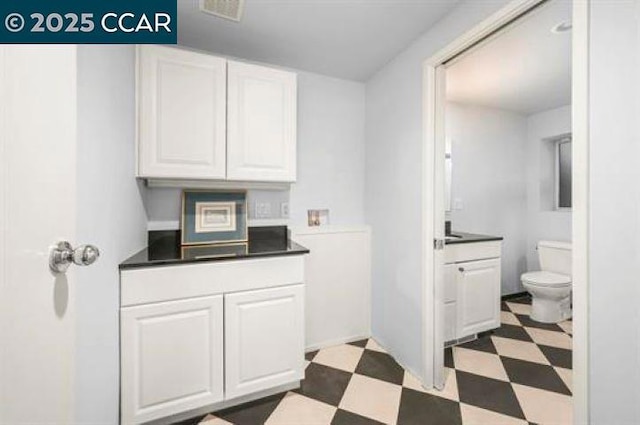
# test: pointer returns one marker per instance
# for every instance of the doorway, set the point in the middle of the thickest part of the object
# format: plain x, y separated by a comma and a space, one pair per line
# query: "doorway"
440, 160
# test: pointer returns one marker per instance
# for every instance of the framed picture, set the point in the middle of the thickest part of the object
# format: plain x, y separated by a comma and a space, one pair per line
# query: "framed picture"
210, 217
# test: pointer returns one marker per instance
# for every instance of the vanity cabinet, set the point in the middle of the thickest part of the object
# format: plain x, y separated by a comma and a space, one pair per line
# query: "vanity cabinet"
472, 288
209, 335
202, 117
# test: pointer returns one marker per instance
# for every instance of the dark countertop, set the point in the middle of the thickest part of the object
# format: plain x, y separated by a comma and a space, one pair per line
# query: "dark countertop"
164, 249
470, 237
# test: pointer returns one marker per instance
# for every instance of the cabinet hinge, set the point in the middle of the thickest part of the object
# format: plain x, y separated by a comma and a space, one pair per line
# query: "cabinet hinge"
438, 244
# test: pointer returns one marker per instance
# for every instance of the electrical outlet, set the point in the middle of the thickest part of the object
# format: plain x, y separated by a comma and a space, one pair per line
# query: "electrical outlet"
284, 210
263, 210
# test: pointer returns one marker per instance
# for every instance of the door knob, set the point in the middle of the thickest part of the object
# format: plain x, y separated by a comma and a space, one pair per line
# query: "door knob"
63, 254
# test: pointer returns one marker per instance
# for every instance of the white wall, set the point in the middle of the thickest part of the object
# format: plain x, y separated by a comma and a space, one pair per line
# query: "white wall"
489, 156
614, 222
331, 145
110, 215
394, 187
543, 221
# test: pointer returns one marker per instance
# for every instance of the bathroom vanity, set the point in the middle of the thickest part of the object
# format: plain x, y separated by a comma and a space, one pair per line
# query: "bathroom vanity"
209, 327
472, 285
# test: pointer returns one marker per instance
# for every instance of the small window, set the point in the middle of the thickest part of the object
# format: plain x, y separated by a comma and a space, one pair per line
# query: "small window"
563, 174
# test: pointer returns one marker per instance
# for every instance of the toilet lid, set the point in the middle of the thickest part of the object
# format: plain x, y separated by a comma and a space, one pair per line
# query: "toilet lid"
546, 279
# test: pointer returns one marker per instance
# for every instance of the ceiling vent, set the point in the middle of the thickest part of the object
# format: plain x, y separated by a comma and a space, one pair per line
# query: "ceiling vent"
227, 9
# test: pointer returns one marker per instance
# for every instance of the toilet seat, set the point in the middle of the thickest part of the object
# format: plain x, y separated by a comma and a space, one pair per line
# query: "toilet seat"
546, 279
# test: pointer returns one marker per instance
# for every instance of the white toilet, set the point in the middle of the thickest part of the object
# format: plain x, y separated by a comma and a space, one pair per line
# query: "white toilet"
550, 288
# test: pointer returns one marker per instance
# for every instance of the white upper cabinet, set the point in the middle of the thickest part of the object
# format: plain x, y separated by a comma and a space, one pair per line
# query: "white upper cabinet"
201, 117
182, 114
262, 122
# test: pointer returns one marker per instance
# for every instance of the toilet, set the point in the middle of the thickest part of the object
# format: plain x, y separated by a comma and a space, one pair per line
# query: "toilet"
550, 288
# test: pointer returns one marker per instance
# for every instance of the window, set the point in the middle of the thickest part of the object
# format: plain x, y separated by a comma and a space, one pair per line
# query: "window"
563, 174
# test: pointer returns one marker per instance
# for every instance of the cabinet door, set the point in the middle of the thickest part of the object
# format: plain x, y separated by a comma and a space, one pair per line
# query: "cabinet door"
182, 114
171, 358
264, 339
262, 114
478, 300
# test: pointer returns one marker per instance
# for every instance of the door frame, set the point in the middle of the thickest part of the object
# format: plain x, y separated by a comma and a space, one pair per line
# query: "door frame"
433, 103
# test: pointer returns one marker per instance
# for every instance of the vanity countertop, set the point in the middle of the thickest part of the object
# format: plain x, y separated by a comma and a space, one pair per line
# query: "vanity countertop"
464, 237
164, 249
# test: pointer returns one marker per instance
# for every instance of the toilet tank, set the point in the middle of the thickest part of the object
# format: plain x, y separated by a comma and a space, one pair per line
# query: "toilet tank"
555, 257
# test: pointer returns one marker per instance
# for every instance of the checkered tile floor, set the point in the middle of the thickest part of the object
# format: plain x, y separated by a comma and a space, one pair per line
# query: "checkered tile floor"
517, 374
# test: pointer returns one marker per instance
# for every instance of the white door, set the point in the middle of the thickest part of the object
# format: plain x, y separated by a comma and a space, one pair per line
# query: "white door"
171, 357
182, 114
264, 339
262, 114
438, 207
478, 285
37, 208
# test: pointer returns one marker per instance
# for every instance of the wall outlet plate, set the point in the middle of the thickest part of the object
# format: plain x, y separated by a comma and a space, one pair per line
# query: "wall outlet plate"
263, 210
284, 210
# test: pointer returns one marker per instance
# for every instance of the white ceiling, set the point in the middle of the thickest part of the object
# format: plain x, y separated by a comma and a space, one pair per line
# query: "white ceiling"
348, 39
526, 69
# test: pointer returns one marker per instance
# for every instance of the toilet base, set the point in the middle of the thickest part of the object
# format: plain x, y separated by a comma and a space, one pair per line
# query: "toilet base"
549, 310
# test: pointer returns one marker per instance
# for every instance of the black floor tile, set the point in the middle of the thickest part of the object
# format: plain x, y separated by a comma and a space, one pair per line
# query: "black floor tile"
504, 307
253, 413
522, 300
310, 355
342, 417
324, 383
417, 408
489, 394
528, 321
481, 344
558, 356
362, 343
534, 375
448, 358
380, 366
513, 332
192, 421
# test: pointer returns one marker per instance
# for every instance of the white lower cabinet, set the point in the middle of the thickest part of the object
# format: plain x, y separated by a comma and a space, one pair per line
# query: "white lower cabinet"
209, 335
478, 284
472, 289
264, 339
172, 357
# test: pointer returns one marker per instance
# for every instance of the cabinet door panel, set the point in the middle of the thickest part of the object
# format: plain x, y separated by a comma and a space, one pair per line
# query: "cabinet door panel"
172, 357
264, 339
450, 324
478, 298
182, 114
262, 114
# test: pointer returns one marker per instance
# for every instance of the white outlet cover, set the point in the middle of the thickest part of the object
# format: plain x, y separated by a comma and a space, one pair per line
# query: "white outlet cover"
284, 210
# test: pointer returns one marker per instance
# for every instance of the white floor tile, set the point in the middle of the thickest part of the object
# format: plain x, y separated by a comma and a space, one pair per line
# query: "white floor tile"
450, 390
544, 407
521, 350
298, 409
344, 357
479, 363
507, 318
373, 345
566, 375
550, 338
519, 308
372, 398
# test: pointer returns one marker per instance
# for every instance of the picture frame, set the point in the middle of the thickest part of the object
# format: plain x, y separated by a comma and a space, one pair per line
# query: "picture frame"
199, 252
213, 217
